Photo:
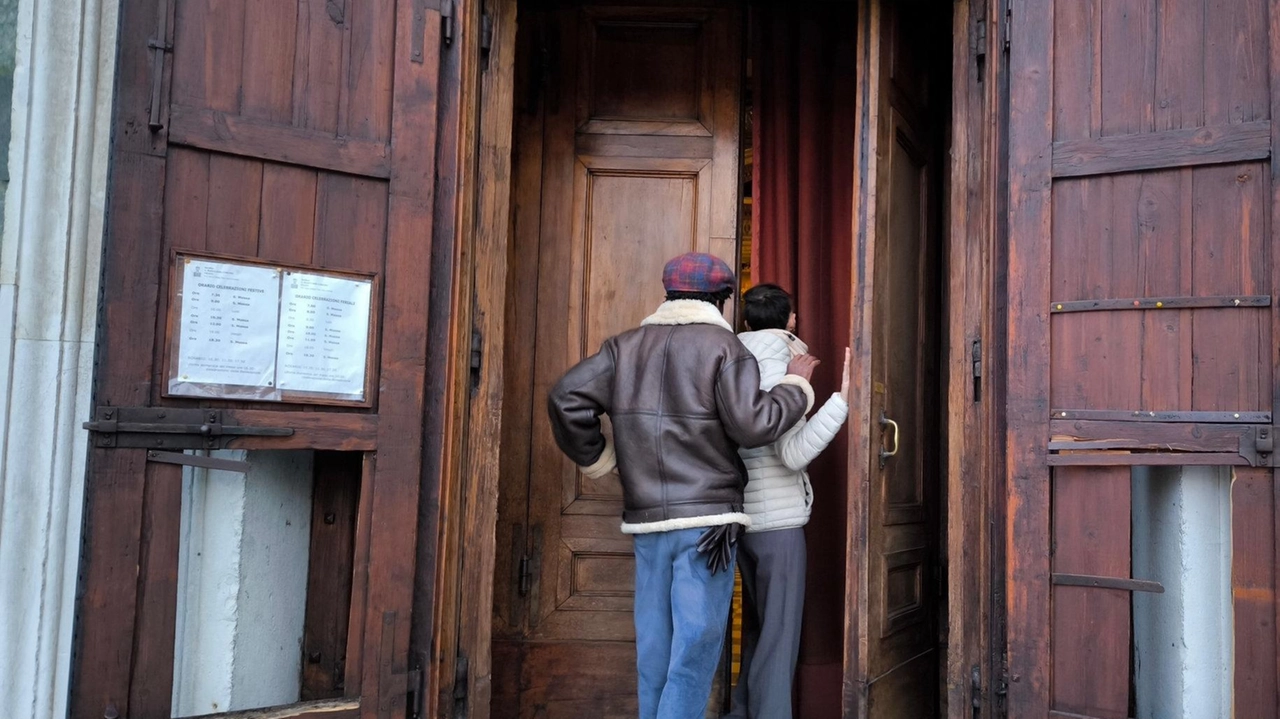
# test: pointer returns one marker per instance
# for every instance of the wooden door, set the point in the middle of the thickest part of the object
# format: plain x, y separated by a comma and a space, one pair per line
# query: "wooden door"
1142, 330
894, 607
296, 133
627, 157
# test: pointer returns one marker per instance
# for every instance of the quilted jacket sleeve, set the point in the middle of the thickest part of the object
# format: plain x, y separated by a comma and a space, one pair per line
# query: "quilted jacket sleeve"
806, 441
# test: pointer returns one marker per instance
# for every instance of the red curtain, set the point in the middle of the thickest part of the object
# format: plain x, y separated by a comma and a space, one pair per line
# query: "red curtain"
802, 224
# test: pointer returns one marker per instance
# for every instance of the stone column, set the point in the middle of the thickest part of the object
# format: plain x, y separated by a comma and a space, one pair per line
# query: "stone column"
1183, 638
49, 265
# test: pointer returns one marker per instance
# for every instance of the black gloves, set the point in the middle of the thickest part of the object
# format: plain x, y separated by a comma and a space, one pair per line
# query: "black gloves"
717, 543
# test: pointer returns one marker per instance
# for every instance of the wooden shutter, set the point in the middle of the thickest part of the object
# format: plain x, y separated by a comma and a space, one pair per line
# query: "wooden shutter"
298, 132
1142, 280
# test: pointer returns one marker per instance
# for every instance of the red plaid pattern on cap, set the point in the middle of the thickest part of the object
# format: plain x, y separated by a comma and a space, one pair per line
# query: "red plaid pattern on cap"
697, 272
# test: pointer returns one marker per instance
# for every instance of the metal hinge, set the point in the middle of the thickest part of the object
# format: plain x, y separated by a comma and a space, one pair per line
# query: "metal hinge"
416, 684
976, 358
486, 33
1008, 21
447, 22
159, 47
980, 40
477, 357
526, 577
975, 690
461, 686
169, 428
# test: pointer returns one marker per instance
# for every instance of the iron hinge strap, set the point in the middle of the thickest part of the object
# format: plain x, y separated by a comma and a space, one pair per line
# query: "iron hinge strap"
169, 428
526, 577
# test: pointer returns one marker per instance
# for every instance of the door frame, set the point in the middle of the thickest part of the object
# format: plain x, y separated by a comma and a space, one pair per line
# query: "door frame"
468, 498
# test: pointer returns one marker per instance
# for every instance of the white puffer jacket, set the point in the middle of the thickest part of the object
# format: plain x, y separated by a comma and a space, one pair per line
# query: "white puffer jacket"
778, 493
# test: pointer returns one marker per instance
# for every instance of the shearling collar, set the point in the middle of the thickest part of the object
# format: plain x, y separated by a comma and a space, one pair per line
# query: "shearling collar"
686, 312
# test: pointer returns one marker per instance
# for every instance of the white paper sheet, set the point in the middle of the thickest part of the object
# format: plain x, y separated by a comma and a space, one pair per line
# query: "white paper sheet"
228, 324
324, 334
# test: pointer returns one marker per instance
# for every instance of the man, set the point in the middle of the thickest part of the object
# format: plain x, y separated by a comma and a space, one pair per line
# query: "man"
683, 395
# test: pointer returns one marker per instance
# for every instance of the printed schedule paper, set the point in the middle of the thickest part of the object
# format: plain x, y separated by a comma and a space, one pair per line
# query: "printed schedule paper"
253, 331
324, 334
228, 324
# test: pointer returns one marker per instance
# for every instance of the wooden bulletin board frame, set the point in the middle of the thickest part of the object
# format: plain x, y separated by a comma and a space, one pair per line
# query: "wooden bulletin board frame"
261, 393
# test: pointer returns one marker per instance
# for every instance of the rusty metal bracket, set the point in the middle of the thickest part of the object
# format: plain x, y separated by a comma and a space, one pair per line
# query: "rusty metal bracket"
193, 460
169, 428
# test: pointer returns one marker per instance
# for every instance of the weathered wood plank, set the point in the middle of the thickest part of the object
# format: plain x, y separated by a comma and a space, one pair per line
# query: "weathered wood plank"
1030, 229
1123, 583
247, 137
483, 443
1253, 591
1182, 436
335, 431
401, 401
1161, 150
334, 509
270, 32
332, 709
1091, 628
287, 227
151, 691
1121, 458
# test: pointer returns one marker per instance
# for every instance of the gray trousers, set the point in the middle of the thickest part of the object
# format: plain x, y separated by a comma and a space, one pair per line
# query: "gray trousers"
773, 566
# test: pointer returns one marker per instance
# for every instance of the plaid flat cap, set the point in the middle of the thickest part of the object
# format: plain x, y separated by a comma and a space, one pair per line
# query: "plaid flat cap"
697, 272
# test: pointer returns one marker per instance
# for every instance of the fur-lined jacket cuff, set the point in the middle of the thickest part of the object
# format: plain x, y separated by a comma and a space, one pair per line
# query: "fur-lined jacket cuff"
608, 461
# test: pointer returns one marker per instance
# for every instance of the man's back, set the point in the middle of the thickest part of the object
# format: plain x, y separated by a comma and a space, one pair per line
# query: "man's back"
682, 394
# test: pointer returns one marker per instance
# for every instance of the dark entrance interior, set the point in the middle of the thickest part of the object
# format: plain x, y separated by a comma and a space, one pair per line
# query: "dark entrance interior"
782, 137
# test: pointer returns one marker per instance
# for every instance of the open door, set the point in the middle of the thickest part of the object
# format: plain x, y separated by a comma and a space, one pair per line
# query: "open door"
626, 155
892, 661
274, 161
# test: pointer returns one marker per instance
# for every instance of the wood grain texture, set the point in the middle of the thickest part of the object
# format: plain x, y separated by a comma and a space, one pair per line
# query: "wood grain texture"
865, 212
1032, 66
263, 140
588, 202
401, 398
481, 466
1091, 626
334, 510
1159, 150
286, 117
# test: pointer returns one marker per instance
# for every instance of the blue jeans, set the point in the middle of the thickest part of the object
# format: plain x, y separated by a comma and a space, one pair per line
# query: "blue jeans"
681, 615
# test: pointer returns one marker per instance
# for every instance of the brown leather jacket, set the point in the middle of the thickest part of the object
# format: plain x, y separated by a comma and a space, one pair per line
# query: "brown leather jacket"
683, 395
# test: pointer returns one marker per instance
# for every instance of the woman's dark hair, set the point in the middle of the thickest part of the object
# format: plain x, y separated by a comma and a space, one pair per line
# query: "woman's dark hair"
766, 307
714, 298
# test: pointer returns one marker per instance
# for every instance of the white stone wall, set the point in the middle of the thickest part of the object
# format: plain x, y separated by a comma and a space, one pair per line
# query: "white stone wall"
49, 265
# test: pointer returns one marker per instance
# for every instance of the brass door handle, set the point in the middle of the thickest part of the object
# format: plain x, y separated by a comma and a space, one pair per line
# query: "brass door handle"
884, 453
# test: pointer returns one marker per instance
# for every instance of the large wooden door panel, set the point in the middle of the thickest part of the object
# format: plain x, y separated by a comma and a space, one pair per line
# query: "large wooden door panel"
896, 536
1142, 287
636, 139
285, 131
